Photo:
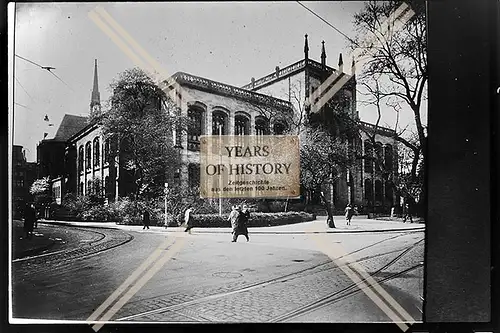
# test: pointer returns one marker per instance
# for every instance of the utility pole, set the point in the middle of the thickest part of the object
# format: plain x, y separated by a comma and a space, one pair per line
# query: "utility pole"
220, 161
166, 194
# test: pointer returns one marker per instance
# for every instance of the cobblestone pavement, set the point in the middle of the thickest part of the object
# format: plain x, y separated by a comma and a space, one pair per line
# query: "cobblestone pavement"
264, 302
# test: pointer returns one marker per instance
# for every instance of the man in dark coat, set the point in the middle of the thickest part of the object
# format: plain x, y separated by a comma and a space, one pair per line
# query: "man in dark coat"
145, 219
29, 220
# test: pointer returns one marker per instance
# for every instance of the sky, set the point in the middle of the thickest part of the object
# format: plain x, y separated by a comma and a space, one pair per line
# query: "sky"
229, 42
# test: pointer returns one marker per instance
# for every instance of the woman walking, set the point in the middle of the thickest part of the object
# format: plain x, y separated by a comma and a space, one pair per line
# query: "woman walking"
349, 212
188, 220
239, 218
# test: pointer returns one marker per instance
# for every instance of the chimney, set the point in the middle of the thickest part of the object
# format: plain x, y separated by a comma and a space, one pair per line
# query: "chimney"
323, 55
253, 82
341, 63
353, 67
277, 71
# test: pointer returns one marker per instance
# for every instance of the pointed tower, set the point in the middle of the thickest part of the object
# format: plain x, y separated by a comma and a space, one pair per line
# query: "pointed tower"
323, 55
341, 63
95, 101
306, 49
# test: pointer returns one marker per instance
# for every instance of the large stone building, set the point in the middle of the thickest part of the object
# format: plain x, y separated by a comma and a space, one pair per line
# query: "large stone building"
23, 175
276, 103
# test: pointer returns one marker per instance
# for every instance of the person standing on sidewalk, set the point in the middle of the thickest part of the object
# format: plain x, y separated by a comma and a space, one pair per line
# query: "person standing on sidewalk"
407, 214
145, 219
235, 219
349, 212
188, 220
29, 220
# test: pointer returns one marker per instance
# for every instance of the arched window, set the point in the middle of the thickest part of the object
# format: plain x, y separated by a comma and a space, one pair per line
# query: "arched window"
88, 156
80, 159
368, 156
368, 190
241, 125
195, 127
97, 151
219, 121
261, 126
378, 156
388, 158
279, 128
378, 190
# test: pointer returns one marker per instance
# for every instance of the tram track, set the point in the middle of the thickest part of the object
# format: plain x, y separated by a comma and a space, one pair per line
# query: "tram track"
108, 238
352, 289
321, 267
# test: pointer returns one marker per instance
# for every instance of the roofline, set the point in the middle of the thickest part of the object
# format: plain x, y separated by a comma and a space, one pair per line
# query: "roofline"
225, 89
87, 129
285, 72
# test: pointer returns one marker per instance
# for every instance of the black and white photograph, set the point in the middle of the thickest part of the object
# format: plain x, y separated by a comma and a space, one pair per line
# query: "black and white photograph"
110, 109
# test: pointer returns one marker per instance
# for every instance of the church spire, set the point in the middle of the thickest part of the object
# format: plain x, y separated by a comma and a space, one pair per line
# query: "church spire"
341, 63
323, 55
306, 48
95, 102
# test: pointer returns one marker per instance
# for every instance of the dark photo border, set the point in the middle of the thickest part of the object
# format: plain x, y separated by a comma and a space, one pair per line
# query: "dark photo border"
461, 279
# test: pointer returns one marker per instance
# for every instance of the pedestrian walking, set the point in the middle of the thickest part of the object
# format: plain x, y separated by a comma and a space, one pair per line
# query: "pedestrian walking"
349, 212
243, 217
188, 219
238, 219
145, 219
407, 214
29, 220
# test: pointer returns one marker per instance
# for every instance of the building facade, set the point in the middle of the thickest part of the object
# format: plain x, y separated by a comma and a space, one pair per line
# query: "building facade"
277, 103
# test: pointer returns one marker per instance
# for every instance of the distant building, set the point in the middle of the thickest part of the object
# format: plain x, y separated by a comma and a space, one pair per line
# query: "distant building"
23, 175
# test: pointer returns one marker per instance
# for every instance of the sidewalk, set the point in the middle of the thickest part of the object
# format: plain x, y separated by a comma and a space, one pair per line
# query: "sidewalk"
23, 247
358, 224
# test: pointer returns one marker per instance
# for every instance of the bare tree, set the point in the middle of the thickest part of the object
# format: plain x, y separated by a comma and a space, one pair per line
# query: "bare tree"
397, 70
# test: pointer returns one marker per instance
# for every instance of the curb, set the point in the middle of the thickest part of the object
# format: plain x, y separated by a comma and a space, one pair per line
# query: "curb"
201, 231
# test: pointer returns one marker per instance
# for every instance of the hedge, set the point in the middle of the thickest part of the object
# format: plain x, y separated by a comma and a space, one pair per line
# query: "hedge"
256, 219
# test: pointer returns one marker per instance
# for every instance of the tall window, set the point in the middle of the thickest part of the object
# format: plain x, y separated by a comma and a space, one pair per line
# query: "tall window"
389, 192
368, 156
261, 126
241, 125
89, 187
194, 174
279, 128
378, 156
378, 190
105, 154
97, 151
219, 120
368, 190
80, 188
88, 156
388, 158
195, 128
80, 159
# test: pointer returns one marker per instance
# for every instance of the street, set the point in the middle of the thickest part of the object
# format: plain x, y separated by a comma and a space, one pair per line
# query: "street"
273, 278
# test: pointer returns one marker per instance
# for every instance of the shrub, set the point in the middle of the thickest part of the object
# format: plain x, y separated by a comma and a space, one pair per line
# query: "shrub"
256, 219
